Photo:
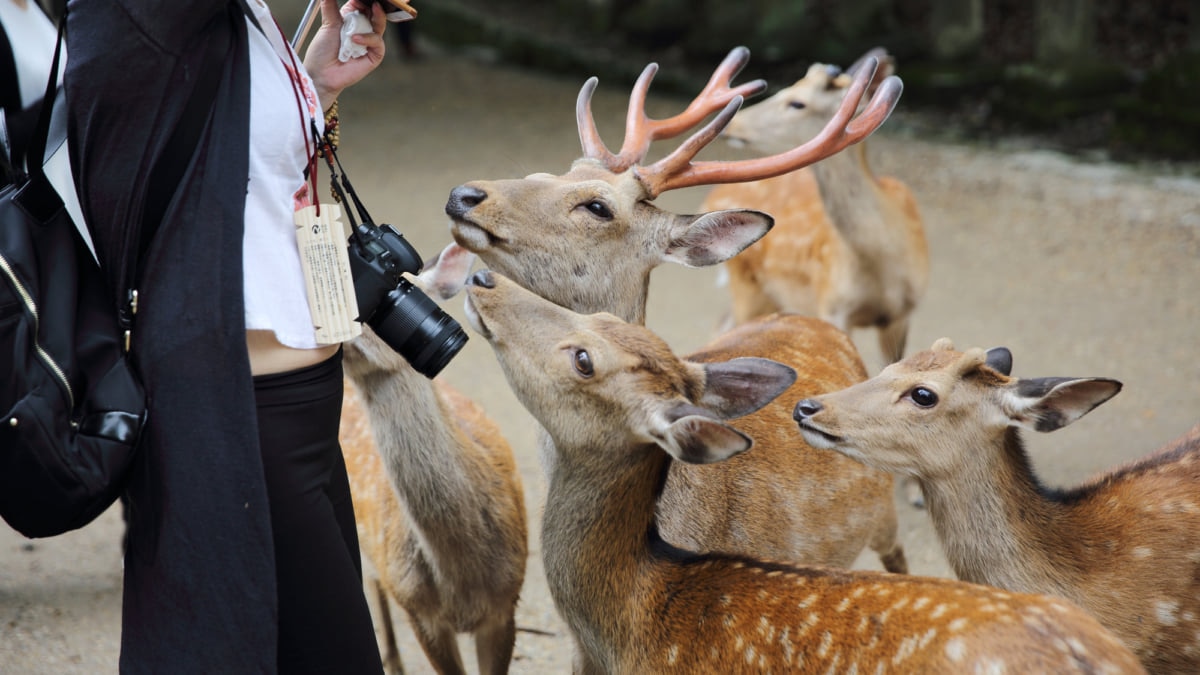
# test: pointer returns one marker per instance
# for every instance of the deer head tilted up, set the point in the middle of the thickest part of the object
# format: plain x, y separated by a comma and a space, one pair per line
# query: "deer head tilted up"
592, 235
1125, 545
617, 403
437, 499
848, 246
588, 240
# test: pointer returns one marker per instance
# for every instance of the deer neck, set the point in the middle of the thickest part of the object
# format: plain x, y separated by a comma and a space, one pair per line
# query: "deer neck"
850, 196
614, 291
427, 458
594, 542
1003, 530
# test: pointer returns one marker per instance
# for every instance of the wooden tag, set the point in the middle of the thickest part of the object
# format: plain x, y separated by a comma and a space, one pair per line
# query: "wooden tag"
327, 277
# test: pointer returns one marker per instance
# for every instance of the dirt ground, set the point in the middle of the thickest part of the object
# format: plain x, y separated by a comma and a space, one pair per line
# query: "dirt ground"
1079, 268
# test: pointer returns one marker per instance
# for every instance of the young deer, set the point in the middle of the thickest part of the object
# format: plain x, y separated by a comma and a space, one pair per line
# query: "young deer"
589, 239
1125, 545
848, 246
616, 401
439, 504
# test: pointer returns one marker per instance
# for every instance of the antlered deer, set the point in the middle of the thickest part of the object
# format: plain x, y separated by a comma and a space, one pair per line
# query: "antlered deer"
848, 246
1124, 545
618, 403
438, 501
589, 239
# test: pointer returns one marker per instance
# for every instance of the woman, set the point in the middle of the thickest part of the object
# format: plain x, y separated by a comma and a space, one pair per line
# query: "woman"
242, 554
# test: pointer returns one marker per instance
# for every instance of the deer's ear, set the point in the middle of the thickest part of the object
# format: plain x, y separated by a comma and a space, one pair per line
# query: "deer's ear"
696, 439
447, 274
1050, 403
711, 238
740, 386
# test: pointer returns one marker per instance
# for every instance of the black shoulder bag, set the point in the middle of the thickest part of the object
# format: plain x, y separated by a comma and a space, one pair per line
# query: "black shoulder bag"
73, 406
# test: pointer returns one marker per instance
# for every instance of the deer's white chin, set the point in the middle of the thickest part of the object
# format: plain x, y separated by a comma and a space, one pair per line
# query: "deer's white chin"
470, 236
474, 319
817, 438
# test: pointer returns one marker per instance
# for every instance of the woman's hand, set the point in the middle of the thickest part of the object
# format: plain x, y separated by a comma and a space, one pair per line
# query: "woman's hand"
329, 75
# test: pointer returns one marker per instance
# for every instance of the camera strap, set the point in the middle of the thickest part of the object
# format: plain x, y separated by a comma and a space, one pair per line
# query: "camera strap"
343, 192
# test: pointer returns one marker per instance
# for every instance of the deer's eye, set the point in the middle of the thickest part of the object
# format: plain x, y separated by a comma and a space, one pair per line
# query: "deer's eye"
583, 363
923, 397
797, 105
599, 209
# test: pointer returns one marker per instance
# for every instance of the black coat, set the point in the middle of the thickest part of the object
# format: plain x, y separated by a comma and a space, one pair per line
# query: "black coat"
199, 592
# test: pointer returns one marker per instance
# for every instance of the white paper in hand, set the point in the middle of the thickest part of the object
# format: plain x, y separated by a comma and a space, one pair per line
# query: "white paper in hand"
353, 23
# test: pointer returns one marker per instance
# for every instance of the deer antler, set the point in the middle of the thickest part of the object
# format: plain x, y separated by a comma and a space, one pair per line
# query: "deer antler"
677, 170
641, 131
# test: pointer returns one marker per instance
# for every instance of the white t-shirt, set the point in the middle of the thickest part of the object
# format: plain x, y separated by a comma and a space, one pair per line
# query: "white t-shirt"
32, 37
274, 282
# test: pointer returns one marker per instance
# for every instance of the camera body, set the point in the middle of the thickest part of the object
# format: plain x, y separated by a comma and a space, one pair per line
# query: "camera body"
399, 312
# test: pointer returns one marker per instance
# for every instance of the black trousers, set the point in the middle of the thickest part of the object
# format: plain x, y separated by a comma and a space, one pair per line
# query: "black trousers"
324, 622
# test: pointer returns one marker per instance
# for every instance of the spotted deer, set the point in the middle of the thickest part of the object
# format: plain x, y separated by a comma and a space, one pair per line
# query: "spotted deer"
848, 246
618, 403
588, 240
438, 501
1124, 545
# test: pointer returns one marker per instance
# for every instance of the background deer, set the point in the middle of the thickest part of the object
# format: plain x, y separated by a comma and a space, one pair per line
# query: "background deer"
848, 246
589, 239
1124, 545
438, 501
616, 401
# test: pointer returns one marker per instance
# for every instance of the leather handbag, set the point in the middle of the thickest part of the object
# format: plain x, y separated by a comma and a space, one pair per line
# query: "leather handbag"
73, 404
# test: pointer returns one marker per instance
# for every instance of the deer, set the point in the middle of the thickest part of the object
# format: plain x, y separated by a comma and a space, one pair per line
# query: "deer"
437, 498
589, 239
618, 403
848, 246
1124, 545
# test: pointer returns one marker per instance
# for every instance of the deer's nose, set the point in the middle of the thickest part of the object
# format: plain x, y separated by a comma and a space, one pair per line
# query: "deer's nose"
806, 408
483, 278
462, 199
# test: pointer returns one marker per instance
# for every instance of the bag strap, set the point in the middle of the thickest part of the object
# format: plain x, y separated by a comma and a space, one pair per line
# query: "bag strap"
41, 130
57, 166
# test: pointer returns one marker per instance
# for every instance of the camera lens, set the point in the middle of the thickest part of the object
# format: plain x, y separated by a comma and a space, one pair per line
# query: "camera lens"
414, 326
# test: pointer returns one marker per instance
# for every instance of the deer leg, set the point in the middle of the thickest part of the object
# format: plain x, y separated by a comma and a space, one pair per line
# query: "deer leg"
440, 645
892, 338
391, 651
581, 664
494, 646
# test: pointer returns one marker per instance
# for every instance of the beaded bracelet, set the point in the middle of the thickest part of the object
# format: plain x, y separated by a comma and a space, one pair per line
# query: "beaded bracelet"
333, 132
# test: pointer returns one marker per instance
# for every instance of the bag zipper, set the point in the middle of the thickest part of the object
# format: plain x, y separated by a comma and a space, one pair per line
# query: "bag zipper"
31, 307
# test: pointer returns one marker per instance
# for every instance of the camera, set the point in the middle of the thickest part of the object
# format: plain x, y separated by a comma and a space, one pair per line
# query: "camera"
399, 313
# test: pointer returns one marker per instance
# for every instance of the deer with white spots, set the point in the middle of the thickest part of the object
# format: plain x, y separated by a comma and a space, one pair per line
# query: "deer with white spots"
618, 404
1124, 545
848, 246
437, 499
589, 239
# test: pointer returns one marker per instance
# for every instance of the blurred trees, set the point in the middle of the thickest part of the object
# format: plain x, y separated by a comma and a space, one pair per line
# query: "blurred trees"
1118, 74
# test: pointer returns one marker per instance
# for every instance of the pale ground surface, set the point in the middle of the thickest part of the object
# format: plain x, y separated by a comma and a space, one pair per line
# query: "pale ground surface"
1080, 269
